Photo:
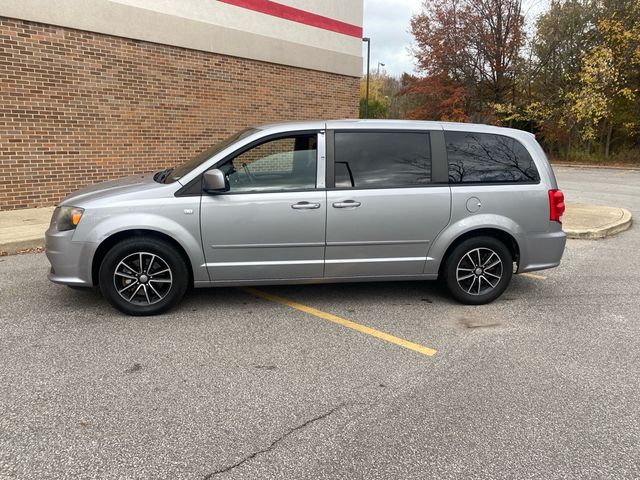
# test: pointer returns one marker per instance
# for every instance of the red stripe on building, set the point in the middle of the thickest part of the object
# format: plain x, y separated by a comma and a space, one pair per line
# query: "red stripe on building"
297, 15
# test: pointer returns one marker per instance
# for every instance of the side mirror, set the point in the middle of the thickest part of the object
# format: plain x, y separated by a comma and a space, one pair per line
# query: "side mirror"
214, 181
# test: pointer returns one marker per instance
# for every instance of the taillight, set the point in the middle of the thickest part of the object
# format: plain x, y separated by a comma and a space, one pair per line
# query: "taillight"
556, 205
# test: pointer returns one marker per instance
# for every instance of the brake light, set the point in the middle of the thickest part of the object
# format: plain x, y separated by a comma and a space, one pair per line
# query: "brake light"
556, 205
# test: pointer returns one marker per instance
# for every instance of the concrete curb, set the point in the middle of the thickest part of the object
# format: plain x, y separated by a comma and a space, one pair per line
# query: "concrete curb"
12, 248
596, 167
22, 230
609, 230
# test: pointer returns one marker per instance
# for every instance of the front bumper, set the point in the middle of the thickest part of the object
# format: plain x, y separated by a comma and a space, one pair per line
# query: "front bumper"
70, 261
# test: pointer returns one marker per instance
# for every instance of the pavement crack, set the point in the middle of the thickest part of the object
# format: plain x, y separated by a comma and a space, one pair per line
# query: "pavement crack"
276, 442
136, 367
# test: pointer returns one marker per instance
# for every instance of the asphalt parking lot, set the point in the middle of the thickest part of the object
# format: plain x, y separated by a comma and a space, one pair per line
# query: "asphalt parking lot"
544, 383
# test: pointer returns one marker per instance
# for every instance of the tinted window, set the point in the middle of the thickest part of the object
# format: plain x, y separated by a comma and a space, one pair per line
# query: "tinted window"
382, 159
487, 158
276, 165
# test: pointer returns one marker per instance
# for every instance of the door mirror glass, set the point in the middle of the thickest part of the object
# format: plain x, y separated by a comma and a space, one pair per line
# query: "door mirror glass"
214, 181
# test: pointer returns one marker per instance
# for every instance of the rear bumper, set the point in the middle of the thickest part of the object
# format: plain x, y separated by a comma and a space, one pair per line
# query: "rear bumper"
70, 261
543, 250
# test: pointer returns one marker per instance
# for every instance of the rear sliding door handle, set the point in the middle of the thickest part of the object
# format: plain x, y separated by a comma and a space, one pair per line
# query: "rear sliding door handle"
305, 206
347, 204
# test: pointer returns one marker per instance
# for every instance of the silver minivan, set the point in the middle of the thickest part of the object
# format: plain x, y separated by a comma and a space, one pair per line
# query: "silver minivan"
311, 202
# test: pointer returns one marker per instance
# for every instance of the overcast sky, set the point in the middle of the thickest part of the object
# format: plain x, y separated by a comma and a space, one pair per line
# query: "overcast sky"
386, 22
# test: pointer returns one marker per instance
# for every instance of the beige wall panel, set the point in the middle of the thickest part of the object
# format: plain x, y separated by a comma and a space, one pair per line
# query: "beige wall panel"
249, 21
349, 11
206, 25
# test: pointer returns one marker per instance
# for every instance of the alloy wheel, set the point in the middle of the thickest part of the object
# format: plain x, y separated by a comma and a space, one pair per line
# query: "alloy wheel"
479, 271
143, 278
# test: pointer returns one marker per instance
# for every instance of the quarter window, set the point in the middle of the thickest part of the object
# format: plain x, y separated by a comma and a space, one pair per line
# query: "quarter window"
276, 165
382, 159
487, 158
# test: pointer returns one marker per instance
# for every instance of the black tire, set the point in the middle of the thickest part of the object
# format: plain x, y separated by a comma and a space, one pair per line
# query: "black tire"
139, 260
482, 285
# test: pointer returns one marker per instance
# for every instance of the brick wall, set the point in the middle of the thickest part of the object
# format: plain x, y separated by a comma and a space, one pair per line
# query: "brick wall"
78, 107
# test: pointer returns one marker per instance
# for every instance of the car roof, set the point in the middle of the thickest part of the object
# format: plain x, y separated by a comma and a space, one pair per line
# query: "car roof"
361, 124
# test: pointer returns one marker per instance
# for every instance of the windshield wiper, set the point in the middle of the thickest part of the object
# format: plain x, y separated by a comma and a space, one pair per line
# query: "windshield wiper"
162, 175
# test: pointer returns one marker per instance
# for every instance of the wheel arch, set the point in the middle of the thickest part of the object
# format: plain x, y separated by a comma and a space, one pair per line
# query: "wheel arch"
505, 237
117, 237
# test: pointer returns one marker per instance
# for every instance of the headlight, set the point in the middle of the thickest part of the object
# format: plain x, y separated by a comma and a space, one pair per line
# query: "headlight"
67, 218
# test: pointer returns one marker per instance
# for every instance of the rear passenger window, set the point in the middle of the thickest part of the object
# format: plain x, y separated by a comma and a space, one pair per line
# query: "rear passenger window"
382, 159
488, 158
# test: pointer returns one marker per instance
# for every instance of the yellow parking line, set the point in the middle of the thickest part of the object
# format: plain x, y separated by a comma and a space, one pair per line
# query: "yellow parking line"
534, 276
342, 321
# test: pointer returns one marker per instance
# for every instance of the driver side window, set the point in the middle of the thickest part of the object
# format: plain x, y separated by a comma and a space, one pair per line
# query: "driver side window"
282, 164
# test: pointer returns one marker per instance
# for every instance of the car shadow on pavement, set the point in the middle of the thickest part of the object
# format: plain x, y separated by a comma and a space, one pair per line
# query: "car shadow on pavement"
320, 294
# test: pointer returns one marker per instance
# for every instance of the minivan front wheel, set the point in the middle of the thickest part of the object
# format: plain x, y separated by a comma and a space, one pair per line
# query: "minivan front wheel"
143, 276
478, 270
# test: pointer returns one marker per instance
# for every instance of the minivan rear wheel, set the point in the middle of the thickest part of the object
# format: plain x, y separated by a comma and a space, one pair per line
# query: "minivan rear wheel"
478, 270
143, 276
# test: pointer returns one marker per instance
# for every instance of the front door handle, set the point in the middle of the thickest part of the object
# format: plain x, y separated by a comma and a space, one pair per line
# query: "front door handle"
305, 206
347, 204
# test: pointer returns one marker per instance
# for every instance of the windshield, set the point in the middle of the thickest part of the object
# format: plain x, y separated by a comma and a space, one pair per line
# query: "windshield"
182, 170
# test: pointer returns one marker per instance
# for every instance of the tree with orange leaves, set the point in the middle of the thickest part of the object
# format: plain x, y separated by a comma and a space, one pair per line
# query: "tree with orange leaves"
467, 52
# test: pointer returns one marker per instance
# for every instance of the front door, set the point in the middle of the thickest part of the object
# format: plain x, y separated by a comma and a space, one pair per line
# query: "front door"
270, 225
383, 207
